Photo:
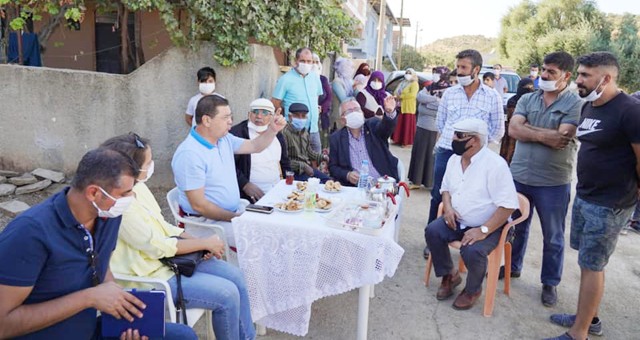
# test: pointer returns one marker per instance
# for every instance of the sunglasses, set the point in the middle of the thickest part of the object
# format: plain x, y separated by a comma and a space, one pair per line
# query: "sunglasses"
258, 112
463, 135
139, 143
93, 257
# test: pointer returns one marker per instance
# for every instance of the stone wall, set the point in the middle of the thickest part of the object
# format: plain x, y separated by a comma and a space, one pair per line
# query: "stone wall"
50, 117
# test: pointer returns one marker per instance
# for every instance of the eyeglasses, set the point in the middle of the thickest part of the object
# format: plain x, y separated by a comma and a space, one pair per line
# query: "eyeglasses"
139, 143
463, 135
351, 109
258, 112
93, 257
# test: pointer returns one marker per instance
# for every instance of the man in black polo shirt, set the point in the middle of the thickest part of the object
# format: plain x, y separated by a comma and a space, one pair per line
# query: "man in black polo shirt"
607, 190
55, 273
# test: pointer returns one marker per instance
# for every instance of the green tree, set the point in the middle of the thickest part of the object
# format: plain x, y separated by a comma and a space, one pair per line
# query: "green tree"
229, 24
410, 59
626, 45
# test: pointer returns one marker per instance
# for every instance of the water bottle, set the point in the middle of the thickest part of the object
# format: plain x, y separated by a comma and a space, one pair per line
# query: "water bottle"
363, 182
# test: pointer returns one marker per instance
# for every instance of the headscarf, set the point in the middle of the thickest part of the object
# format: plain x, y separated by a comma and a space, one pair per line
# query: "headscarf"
406, 82
344, 67
361, 70
522, 90
380, 94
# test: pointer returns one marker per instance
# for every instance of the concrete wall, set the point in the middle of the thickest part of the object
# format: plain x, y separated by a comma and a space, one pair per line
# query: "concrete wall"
51, 117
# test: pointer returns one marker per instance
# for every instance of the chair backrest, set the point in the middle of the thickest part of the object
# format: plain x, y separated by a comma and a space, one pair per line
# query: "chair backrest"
172, 200
523, 206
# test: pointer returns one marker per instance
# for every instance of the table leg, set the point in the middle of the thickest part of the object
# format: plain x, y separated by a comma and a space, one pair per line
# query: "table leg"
363, 311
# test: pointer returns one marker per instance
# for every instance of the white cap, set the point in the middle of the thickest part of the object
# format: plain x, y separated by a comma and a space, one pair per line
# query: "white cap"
473, 125
263, 104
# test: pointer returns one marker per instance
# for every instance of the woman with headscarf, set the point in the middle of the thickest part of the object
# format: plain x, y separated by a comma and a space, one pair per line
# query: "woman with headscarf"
508, 145
406, 93
371, 99
422, 158
342, 84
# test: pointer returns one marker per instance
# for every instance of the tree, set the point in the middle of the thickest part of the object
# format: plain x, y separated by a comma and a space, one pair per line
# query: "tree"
229, 24
626, 46
410, 59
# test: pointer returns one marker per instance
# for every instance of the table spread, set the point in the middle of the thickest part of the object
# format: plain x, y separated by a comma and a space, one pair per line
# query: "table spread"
293, 259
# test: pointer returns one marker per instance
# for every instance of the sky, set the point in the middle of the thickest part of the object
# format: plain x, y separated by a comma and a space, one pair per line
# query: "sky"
443, 19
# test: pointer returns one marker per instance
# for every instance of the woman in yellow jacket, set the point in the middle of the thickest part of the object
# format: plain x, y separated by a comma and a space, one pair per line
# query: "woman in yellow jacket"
406, 94
145, 237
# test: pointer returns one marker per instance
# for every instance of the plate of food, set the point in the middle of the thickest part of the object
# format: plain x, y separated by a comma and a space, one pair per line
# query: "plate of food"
296, 196
302, 186
323, 205
332, 186
290, 206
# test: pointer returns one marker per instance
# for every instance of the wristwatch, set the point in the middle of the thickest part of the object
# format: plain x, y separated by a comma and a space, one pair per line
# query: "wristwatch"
484, 229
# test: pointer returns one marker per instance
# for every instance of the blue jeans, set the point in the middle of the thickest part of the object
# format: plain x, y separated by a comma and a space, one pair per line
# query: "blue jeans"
219, 286
438, 235
636, 213
440, 165
551, 204
316, 173
315, 142
172, 331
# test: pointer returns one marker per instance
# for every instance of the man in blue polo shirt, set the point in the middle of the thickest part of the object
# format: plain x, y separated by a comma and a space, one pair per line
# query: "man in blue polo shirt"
300, 86
204, 168
56, 257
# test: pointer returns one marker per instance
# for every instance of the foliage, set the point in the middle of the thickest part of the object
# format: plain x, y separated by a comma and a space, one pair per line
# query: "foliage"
626, 46
410, 59
229, 24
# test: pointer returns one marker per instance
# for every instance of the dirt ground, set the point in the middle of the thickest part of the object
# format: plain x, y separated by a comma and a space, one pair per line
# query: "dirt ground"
404, 308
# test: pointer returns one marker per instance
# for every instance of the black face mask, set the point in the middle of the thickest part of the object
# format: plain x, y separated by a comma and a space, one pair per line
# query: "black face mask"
459, 146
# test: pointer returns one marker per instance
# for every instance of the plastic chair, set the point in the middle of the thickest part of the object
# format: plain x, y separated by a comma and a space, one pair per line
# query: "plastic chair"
193, 314
402, 177
493, 267
172, 200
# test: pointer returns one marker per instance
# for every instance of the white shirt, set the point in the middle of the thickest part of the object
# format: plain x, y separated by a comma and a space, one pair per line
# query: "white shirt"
265, 165
481, 189
193, 103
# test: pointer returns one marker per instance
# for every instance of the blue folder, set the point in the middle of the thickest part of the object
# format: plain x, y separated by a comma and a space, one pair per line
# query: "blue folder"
152, 322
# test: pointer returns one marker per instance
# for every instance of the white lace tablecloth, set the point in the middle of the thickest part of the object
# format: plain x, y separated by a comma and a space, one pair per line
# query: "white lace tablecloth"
292, 259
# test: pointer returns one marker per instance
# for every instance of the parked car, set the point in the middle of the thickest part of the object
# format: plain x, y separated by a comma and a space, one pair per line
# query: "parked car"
512, 79
395, 77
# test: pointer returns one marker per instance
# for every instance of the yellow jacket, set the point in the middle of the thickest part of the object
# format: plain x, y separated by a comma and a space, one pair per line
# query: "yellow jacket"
408, 98
144, 238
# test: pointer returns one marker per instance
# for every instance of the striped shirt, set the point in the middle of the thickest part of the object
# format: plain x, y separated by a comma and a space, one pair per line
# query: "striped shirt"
485, 104
358, 152
299, 149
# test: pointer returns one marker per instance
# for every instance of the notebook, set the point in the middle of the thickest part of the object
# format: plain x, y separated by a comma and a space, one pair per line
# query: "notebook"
152, 322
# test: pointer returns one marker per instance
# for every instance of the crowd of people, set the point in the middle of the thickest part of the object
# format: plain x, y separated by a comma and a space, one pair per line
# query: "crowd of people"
108, 221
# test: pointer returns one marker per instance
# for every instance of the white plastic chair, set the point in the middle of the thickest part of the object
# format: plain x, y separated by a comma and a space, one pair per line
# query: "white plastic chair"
193, 314
172, 200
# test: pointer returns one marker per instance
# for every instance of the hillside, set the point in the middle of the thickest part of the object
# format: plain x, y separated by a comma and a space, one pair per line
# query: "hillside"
443, 51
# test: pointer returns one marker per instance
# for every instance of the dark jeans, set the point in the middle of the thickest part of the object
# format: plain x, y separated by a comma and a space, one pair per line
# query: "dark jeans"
172, 331
551, 204
440, 165
438, 236
316, 173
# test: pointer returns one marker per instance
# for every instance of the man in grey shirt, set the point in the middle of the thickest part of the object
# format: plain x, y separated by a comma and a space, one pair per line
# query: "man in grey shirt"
544, 125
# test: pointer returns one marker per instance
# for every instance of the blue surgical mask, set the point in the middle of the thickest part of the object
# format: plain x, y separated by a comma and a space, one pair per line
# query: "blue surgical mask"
298, 123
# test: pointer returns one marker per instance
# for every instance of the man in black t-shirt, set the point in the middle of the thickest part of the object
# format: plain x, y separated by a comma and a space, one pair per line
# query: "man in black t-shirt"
607, 190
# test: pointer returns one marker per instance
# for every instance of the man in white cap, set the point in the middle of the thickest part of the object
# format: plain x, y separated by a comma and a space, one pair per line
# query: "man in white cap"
478, 195
259, 172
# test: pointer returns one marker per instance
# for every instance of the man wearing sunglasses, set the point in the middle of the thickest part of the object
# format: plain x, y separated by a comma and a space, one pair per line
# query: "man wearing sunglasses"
258, 172
56, 255
478, 195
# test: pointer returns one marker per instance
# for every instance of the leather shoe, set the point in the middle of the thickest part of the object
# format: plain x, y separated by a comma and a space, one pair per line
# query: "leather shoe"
449, 282
549, 295
426, 252
514, 274
465, 300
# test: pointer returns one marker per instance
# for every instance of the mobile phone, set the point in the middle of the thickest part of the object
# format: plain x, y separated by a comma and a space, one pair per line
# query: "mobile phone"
259, 208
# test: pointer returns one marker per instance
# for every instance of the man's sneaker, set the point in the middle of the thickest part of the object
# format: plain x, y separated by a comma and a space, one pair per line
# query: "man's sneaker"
549, 296
567, 320
634, 226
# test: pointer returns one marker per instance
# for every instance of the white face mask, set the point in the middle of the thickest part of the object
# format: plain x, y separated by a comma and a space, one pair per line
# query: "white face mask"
408, 77
465, 80
121, 205
317, 68
304, 68
355, 119
257, 128
534, 74
376, 85
149, 172
594, 95
548, 85
207, 88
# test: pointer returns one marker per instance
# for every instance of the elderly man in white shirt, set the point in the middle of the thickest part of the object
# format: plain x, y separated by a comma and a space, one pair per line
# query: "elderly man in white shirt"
478, 195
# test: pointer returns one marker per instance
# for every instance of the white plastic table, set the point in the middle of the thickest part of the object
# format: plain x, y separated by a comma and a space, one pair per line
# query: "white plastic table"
291, 260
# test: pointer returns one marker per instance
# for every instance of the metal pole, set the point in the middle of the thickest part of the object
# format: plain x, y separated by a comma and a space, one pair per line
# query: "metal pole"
383, 10
415, 44
400, 44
